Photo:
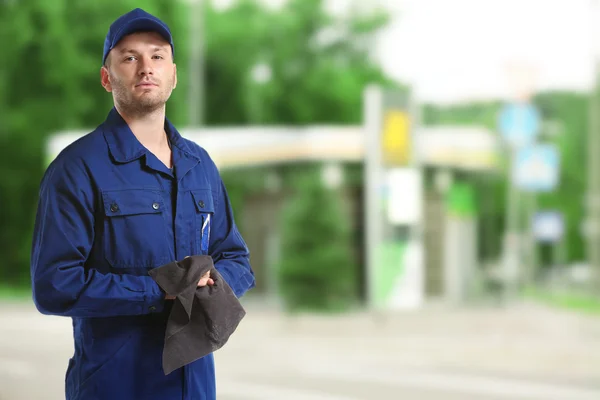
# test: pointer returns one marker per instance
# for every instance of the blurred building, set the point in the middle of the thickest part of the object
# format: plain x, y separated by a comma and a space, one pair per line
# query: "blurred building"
449, 157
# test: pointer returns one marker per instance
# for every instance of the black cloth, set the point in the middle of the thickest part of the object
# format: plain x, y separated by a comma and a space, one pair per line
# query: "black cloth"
202, 318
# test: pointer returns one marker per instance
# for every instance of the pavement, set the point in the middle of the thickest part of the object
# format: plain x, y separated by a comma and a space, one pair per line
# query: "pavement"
523, 352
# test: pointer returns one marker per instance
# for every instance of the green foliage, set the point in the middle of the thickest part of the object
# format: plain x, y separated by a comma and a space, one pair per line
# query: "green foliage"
570, 111
317, 271
318, 69
49, 82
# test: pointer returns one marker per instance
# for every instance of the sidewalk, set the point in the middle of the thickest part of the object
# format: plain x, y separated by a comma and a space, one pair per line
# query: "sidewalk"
525, 352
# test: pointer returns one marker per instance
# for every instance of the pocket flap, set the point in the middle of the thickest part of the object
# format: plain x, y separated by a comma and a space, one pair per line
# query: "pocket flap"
203, 200
132, 201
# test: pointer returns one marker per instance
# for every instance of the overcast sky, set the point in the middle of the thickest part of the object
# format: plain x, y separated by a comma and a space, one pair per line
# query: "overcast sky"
458, 50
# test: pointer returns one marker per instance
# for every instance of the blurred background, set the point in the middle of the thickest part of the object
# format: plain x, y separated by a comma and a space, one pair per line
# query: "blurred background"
418, 182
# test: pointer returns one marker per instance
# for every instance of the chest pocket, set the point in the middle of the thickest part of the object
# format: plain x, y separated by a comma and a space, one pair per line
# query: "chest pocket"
134, 228
204, 210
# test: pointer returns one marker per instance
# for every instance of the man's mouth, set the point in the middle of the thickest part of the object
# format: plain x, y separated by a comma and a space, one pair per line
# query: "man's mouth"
146, 84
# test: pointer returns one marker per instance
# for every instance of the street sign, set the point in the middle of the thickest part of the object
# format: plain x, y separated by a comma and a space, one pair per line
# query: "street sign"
536, 168
548, 226
405, 203
396, 138
519, 124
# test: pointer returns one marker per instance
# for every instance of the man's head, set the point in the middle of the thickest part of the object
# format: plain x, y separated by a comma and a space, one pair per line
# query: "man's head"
138, 65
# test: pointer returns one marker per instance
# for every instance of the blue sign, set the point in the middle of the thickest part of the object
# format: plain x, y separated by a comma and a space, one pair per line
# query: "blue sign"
536, 168
519, 124
548, 226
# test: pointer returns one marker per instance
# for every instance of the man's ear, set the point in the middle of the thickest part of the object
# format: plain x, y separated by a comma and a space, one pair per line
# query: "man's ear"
175, 78
104, 79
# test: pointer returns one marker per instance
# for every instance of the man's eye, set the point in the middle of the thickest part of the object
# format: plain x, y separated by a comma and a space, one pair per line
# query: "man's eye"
130, 58
158, 57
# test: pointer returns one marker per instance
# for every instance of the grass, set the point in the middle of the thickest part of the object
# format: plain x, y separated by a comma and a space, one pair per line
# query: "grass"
13, 293
579, 302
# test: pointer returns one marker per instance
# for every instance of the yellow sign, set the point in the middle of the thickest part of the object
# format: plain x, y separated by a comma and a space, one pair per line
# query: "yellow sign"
396, 138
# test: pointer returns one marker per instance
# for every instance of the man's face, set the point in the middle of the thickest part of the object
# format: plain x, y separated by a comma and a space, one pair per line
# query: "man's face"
140, 73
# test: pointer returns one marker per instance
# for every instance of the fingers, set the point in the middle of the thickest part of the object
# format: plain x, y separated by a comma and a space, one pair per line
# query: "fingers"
206, 280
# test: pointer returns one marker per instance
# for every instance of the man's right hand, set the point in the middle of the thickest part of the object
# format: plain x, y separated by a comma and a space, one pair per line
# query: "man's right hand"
204, 281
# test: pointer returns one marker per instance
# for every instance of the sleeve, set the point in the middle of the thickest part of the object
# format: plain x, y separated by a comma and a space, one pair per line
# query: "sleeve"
227, 247
63, 235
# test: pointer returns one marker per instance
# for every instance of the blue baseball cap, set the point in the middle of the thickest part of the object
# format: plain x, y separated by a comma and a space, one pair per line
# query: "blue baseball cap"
135, 21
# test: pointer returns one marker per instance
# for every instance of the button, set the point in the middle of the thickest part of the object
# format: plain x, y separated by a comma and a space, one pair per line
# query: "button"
201, 204
155, 206
152, 308
114, 207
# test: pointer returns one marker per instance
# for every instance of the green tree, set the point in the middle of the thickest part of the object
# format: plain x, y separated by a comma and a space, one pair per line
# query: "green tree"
317, 271
50, 82
569, 111
319, 64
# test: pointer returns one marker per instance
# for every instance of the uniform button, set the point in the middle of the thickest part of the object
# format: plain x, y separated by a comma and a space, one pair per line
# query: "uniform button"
114, 207
152, 308
155, 206
201, 204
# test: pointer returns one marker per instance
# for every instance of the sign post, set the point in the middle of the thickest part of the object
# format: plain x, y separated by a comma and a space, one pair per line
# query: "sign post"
393, 202
519, 125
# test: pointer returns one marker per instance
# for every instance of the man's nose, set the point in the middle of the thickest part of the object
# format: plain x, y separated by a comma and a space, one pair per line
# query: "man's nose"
145, 66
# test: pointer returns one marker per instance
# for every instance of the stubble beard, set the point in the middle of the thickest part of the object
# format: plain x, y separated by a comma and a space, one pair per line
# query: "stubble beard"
147, 104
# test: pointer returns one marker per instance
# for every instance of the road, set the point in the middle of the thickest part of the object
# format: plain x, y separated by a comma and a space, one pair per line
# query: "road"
521, 353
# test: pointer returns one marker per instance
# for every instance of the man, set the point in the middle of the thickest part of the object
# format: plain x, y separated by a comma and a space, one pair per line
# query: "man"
126, 198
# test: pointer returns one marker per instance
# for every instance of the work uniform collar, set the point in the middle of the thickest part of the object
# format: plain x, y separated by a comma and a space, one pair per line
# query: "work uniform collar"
124, 145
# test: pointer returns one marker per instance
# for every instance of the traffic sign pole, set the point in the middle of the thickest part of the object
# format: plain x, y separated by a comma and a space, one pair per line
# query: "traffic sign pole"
519, 125
511, 264
532, 264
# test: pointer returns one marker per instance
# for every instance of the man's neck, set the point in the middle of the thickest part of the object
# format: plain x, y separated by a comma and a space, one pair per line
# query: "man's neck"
149, 128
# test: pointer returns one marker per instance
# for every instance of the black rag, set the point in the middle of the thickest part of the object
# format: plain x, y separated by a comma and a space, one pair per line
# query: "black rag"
202, 318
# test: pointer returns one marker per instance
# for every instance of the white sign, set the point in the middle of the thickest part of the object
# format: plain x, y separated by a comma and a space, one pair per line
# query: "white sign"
536, 168
405, 202
548, 226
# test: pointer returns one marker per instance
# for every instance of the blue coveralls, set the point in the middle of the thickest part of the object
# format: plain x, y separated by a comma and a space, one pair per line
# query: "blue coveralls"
109, 211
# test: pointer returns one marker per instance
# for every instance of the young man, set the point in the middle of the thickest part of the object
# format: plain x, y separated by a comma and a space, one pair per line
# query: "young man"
126, 198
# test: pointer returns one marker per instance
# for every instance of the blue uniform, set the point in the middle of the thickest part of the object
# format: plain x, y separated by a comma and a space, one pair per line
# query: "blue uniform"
109, 211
